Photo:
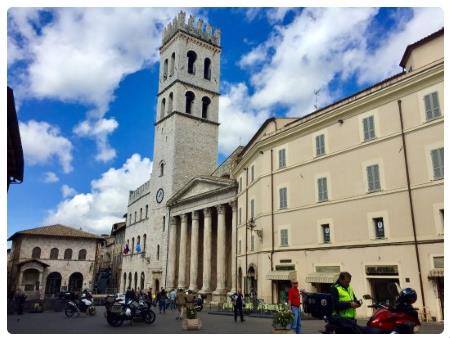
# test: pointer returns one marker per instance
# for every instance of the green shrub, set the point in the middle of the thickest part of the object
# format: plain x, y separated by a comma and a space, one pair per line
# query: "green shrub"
282, 318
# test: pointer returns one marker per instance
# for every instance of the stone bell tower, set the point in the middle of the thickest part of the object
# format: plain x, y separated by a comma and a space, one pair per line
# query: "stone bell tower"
186, 133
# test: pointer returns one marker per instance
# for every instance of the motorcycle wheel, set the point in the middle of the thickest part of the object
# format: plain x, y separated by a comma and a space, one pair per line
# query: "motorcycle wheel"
114, 320
149, 317
91, 310
69, 311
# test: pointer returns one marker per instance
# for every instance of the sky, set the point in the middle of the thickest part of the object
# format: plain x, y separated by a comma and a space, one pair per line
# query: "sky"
85, 83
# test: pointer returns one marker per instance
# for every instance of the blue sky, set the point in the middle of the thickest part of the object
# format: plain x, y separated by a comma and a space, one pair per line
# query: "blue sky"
85, 82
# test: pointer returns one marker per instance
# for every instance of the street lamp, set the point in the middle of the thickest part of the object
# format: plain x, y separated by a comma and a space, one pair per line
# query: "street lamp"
252, 225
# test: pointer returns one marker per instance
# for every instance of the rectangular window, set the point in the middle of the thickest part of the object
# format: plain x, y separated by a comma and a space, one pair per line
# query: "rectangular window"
252, 173
379, 227
320, 145
322, 189
281, 158
283, 198
240, 216
369, 128
240, 184
239, 247
373, 178
326, 233
164, 223
437, 157
252, 243
284, 237
252, 209
432, 109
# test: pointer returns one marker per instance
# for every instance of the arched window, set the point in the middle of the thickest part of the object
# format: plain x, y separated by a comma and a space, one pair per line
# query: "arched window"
191, 61
68, 254
36, 253
163, 107
205, 104
140, 215
144, 239
172, 63
166, 67
157, 252
135, 216
207, 69
161, 168
132, 245
170, 104
54, 253
146, 211
189, 102
82, 255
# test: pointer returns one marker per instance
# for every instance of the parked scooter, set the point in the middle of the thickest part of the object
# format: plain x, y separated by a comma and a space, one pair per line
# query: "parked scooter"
76, 306
198, 303
398, 318
118, 311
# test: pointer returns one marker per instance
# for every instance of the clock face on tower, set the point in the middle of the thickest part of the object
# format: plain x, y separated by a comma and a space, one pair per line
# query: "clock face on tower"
159, 195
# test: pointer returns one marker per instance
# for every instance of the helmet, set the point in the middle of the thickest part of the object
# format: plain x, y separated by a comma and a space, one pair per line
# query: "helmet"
407, 295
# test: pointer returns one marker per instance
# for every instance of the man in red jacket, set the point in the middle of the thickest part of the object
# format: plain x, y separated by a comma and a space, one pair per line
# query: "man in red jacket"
294, 304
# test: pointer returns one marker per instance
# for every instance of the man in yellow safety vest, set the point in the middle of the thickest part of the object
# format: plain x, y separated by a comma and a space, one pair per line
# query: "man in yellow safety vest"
345, 301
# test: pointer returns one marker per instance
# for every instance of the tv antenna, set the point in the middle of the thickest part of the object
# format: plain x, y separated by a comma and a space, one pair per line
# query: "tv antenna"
316, 94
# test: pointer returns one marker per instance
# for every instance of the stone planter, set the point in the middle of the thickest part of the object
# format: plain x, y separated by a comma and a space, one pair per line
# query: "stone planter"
282, 330
192, 324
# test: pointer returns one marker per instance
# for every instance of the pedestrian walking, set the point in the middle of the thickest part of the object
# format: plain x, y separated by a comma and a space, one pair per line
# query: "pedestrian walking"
19, 299
238, 303
172, 298
180, 301
294, 304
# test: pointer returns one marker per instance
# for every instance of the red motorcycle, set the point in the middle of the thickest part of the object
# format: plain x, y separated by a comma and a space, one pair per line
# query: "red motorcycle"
398, 318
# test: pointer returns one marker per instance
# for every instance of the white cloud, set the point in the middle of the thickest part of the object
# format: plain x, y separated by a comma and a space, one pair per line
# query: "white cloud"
107, 201
67, 191
42, 143
50, 177
83, 54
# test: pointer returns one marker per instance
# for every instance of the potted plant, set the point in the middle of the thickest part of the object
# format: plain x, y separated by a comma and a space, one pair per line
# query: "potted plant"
191, 322
282, 320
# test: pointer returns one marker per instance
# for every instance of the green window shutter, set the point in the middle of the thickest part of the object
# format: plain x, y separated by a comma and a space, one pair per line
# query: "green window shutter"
435, 105
428, 109
370, 178
437, 157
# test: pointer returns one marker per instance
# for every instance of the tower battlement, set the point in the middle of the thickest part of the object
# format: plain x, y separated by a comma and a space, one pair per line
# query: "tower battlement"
193, 27
139, 192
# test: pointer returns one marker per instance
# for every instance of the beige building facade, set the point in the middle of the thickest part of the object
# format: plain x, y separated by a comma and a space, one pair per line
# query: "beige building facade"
50, 259
356, 186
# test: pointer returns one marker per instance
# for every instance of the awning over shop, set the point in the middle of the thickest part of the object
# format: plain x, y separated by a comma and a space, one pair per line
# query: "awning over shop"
437, 272
281, 275
322, 277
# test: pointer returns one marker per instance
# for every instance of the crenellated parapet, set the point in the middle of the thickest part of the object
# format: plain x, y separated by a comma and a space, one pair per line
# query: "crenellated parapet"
144, 189
193, 27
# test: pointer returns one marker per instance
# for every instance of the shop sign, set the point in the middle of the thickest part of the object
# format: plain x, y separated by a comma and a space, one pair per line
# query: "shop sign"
289, 267
328, 269
385, 270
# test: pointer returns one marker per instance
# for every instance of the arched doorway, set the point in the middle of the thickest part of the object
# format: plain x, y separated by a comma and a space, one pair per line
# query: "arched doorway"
251, 280
53, 284
75, 282
156, 285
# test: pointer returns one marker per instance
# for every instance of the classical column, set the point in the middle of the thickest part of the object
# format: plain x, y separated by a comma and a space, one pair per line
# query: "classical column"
207, 230
172, 254
233, 246
194, 252
221, 258
182, 256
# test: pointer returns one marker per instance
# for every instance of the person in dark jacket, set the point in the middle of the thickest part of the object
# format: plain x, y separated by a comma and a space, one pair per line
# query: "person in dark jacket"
345, 301
19, 299
238, 303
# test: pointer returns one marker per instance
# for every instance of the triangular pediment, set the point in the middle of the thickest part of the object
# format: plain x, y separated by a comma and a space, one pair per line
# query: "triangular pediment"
200, 186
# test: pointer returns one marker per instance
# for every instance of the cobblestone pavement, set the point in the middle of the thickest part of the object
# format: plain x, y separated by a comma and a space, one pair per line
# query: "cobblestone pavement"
56, 322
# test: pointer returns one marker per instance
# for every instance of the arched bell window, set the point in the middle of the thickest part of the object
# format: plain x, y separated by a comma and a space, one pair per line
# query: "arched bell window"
192, 57
207, 69
163, 107
206, 101
189, 102
172, 64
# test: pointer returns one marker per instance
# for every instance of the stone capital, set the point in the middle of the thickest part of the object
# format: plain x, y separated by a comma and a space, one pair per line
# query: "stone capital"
173, 220
184, 218
207, 212
233, 205
195, 215
221, 209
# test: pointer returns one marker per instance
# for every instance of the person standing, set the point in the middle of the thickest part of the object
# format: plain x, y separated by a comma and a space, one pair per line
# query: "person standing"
20, 301
180, 302
294, 305
238, 303
344, 298
163, 301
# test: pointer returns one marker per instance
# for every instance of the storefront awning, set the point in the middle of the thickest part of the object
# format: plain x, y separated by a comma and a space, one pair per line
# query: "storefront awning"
437, 272
281, 275
322, 277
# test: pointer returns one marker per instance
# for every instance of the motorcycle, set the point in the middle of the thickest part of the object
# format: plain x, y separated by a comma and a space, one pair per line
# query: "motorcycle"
198, 303
398, 318
76, 306
119, 310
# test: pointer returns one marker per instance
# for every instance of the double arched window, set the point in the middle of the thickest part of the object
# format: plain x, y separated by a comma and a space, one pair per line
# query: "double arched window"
189, 102
206, 101
68, 254
36, 253
82, 255
192, 57
207, 69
